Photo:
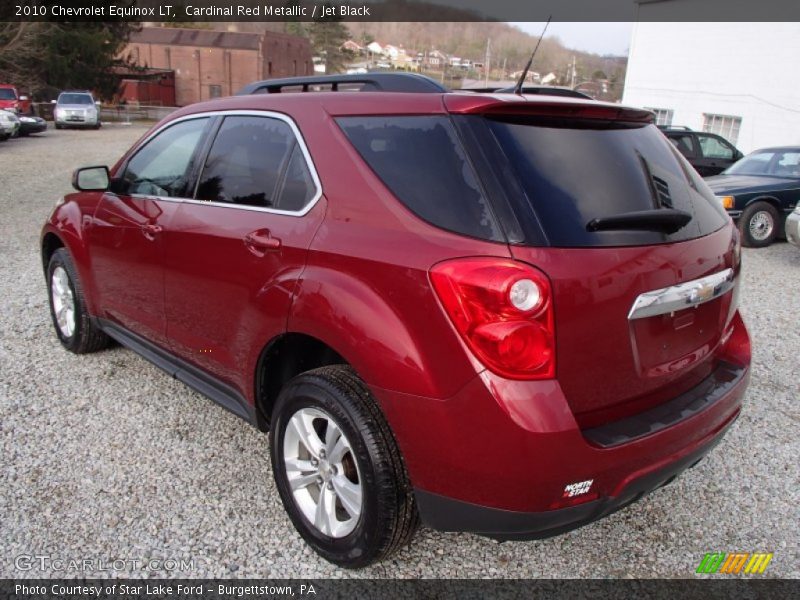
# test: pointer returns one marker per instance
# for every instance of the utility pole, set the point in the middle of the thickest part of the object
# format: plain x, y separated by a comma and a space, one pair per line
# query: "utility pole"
487, 60
572, 79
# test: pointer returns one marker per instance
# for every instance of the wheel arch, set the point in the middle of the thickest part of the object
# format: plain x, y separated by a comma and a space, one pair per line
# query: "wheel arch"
284, 357
49, 244
765, 198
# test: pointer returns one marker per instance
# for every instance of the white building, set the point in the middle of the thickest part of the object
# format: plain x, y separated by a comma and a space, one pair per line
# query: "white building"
741, 80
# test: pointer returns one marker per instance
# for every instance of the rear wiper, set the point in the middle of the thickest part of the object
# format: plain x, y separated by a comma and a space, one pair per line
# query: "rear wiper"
666, 220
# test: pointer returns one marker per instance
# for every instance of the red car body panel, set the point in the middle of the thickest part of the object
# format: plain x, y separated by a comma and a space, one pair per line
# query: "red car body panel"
354, 274
223, 299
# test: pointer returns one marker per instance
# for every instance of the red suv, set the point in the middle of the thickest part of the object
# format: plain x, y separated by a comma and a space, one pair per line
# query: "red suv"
508, 315
11, 100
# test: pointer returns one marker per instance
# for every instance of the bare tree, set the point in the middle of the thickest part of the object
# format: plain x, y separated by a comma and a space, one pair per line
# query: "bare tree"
22, 53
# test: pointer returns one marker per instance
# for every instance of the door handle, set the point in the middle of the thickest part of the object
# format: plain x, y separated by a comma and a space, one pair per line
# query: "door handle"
150, 230
261, 241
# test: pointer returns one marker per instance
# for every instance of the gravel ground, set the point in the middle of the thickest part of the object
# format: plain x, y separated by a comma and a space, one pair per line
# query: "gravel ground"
105, 457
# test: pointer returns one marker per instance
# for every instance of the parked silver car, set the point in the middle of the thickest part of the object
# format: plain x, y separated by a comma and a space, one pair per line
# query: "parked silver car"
793, 226
76, 109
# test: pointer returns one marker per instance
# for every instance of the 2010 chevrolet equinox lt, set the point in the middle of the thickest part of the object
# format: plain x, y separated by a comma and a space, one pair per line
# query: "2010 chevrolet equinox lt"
496, 313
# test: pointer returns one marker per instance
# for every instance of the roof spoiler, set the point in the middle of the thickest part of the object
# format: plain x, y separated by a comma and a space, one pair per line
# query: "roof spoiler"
545, 106
368, 82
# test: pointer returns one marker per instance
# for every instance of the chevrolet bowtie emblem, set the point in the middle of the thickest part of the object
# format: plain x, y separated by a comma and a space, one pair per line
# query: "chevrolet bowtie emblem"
701, 293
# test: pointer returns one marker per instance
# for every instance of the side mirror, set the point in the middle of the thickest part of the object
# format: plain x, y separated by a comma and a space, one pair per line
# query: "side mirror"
91, 179
97, 102
23, 98
52, 101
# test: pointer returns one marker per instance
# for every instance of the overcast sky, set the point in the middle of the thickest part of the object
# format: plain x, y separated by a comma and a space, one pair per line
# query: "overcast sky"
601, 38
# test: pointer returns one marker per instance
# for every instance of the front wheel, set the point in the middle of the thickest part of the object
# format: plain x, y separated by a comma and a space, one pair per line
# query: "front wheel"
759, 225
73, 324
338, 469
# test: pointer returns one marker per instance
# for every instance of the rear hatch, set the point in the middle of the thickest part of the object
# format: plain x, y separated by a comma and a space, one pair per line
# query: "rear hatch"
605, 206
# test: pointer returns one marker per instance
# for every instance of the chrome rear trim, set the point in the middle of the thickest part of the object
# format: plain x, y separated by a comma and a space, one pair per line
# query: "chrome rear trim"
683, 295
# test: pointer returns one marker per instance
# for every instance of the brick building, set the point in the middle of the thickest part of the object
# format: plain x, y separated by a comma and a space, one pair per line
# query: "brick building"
209, 64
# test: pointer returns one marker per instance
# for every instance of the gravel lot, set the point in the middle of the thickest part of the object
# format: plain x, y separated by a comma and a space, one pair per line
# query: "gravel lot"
106, 457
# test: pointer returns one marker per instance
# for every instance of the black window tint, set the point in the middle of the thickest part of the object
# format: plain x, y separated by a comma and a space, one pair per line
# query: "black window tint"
160, 167
245, 161
298, 186
683, 142
421, 161
574, 172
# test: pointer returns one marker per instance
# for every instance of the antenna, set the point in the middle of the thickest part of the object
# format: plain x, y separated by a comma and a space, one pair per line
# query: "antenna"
518, 87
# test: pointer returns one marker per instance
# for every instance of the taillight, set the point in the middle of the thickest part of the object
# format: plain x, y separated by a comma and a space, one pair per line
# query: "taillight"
503, 310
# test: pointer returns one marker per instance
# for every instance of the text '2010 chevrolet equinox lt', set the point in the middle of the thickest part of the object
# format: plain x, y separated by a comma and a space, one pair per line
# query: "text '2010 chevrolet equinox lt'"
502, 314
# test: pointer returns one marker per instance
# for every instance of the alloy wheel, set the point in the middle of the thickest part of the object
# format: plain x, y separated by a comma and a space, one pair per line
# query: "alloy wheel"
761, 225
63, 301
322, 472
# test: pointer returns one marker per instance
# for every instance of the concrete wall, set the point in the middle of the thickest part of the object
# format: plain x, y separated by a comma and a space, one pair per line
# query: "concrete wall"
749, 70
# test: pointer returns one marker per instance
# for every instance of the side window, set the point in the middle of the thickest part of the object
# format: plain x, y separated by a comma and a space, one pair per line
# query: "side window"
298, 186
246, 160
421, 161
787, 164
159, 168
683, 143
713, 147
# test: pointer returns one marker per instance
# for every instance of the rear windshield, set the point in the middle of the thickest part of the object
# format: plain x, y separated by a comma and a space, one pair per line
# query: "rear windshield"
75, 99
421, 161
570, 173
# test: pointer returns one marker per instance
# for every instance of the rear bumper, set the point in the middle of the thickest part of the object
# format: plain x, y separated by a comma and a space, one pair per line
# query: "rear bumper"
449, 514
502, 458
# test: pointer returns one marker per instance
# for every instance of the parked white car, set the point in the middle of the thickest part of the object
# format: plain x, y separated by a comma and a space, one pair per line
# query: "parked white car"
9, 125
793, 226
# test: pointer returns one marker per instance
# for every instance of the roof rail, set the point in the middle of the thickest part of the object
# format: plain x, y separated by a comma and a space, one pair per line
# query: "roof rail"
369, 82
675, 127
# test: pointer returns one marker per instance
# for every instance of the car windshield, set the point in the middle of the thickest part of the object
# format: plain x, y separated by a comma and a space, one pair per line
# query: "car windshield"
7, 94
75, 99
775, 163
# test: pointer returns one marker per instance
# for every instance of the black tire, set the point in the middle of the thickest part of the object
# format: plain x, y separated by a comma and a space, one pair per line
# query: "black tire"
388, 516
59, 126
98, 125
85, 337
759, 225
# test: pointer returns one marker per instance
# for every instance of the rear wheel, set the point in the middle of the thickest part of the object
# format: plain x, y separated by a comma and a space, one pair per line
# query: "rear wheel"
759, 225
338, 469
73, 324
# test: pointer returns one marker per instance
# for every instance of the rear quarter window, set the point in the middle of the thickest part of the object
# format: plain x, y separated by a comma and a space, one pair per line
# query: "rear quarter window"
421, 161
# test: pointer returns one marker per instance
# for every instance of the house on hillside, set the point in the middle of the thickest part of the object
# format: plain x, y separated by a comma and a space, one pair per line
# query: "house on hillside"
749, 93
375, 48
352, 46
434, 59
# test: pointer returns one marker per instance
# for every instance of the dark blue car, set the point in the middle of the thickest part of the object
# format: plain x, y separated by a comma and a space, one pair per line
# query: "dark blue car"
759, 192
